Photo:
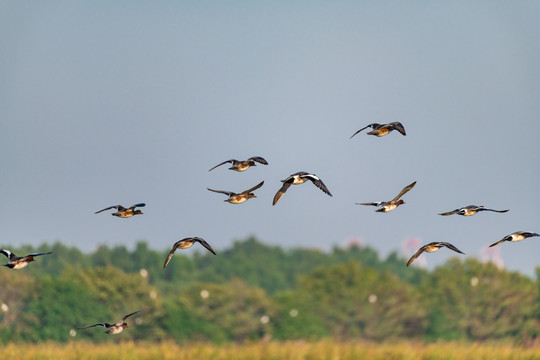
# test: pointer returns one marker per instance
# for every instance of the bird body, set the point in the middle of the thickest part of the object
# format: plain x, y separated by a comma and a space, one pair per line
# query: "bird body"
515, 236
386, 206
432, 247
297, 179
240, 198
123, 212
470, 210
383, 129
187, 243
15, 262
243, 165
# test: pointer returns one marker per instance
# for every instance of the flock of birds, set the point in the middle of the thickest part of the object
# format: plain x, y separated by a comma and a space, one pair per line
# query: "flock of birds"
16, 262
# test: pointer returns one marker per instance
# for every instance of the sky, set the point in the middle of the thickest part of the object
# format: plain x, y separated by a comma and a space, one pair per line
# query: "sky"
107, 103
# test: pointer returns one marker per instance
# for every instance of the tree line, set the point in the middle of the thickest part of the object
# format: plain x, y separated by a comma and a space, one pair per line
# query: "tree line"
253, 290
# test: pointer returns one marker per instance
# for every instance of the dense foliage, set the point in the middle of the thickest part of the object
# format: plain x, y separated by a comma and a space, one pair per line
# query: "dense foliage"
255, 291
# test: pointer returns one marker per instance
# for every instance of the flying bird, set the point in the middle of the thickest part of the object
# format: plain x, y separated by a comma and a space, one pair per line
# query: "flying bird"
383, 129
299, 178
187, 243
113, 329
386, 206
123, 212
244, 196
470, 210
243, 165
515, 236
432, 247
16, 262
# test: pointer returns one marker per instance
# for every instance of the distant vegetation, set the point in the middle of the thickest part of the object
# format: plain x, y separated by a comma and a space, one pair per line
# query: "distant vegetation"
272, 350
253, 291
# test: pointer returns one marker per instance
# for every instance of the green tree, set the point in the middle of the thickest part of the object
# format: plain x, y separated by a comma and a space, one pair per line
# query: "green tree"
14, 297
356, 301
121, 294
54, 307
296, 318
480, 302
232, 311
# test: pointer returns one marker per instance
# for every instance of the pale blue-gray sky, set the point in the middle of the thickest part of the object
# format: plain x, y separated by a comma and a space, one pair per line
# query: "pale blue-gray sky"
105, 103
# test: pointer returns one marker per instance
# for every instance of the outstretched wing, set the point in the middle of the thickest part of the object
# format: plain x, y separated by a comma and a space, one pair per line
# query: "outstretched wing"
128, 315
506, 238
281, 192
171, 253
417, 254
318, 183
399, 127
449, 212
100, 324
499, 211
230, 193
450, 246
253, 188
205, 244
39, 254
228, 161
404, 191
370, 204
117, 207
361, 130
259, 159
9, 254
137, 205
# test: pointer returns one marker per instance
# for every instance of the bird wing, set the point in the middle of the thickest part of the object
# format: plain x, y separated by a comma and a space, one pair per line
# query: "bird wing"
281, 191
100, 324
370, 204
39, 254
171, 253
318, 183
205, 244
404, 191
228, 161
128, 315
253, 188
137, 205
399, 127
449, 212
259, 159
230, 193
117, 207
361, 130
9, 254
506, 238
450, 246
499, 211
417, 254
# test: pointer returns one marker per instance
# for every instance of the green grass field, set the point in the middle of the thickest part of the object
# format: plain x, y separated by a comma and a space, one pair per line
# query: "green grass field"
320, 350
